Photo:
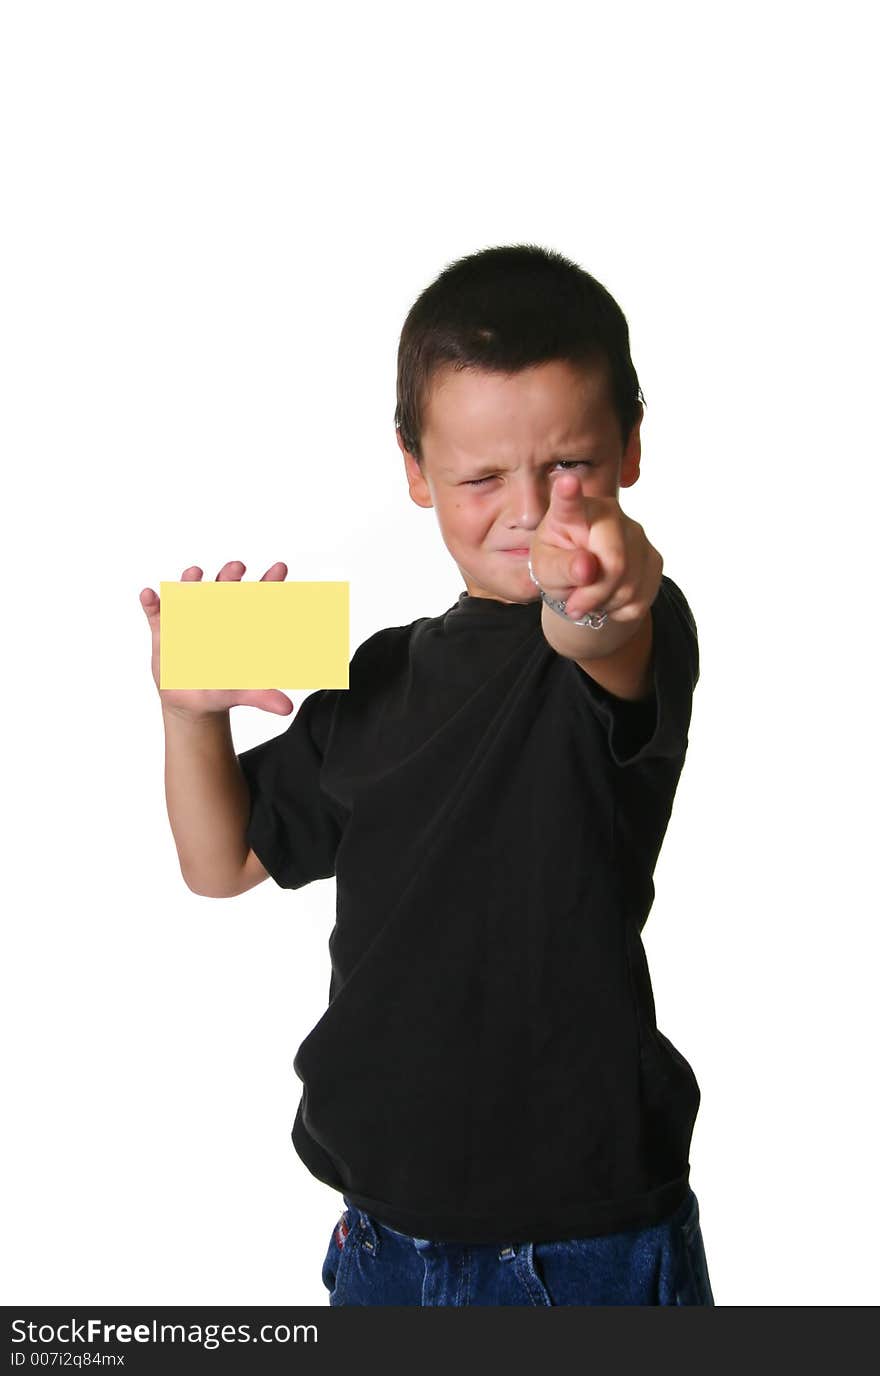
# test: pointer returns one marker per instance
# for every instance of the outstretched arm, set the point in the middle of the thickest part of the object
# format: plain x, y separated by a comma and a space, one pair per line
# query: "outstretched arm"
589, 553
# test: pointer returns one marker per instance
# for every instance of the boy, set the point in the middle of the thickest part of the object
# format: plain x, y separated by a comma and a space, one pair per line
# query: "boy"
488, 1088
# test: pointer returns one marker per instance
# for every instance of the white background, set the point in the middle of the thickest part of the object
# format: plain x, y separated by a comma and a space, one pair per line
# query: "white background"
216, 217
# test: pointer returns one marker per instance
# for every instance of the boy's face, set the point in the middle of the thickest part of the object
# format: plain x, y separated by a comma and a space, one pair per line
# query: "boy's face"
516, 432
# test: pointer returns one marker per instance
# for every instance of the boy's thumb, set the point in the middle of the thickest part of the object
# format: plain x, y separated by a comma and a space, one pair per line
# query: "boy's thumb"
271, 700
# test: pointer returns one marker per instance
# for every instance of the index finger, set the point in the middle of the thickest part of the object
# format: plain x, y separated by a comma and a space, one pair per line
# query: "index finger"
568, 504
566, 487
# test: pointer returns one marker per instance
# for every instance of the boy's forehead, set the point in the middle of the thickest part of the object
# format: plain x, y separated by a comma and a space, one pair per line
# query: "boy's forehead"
559, 402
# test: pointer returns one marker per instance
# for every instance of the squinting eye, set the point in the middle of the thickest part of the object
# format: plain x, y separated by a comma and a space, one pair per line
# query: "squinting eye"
582, 463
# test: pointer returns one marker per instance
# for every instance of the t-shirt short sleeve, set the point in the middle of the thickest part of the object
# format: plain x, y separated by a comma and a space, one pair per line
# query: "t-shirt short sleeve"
294, 828
657, 726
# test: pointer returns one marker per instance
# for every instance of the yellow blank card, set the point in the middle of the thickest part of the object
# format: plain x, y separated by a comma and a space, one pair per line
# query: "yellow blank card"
253, 635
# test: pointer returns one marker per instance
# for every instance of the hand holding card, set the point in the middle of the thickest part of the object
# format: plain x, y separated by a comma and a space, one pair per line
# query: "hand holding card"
251, 634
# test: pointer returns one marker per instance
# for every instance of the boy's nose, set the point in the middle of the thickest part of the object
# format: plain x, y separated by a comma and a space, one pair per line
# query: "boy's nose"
527, 502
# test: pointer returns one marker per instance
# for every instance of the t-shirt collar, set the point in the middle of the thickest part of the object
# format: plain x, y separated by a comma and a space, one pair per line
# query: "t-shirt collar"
490, 608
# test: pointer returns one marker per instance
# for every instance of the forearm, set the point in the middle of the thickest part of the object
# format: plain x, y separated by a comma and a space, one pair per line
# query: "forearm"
623, 664
207, 800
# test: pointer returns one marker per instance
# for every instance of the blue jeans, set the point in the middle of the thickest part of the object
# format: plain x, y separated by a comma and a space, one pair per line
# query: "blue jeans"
370, 1263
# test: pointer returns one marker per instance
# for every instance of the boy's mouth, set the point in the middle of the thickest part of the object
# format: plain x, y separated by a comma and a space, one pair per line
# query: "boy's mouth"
520, 552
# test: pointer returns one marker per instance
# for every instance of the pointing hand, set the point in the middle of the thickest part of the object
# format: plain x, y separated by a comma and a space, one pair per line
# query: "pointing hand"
587, 553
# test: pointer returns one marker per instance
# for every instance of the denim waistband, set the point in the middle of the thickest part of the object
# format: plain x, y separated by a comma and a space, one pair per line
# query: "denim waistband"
368, 1223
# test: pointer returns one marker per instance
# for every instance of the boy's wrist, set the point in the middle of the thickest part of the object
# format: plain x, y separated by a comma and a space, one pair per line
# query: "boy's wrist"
582, 642
183, 714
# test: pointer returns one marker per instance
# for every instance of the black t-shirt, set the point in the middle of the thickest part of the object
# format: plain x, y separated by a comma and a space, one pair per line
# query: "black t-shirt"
489, 1068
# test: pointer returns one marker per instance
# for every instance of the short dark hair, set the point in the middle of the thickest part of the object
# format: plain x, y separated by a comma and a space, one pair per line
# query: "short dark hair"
508, 308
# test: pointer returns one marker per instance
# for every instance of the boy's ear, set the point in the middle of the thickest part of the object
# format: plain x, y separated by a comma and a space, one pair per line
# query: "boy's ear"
632, 454
418, 487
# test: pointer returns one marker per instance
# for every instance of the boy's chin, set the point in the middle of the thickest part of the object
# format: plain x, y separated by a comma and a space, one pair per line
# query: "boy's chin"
514, 588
